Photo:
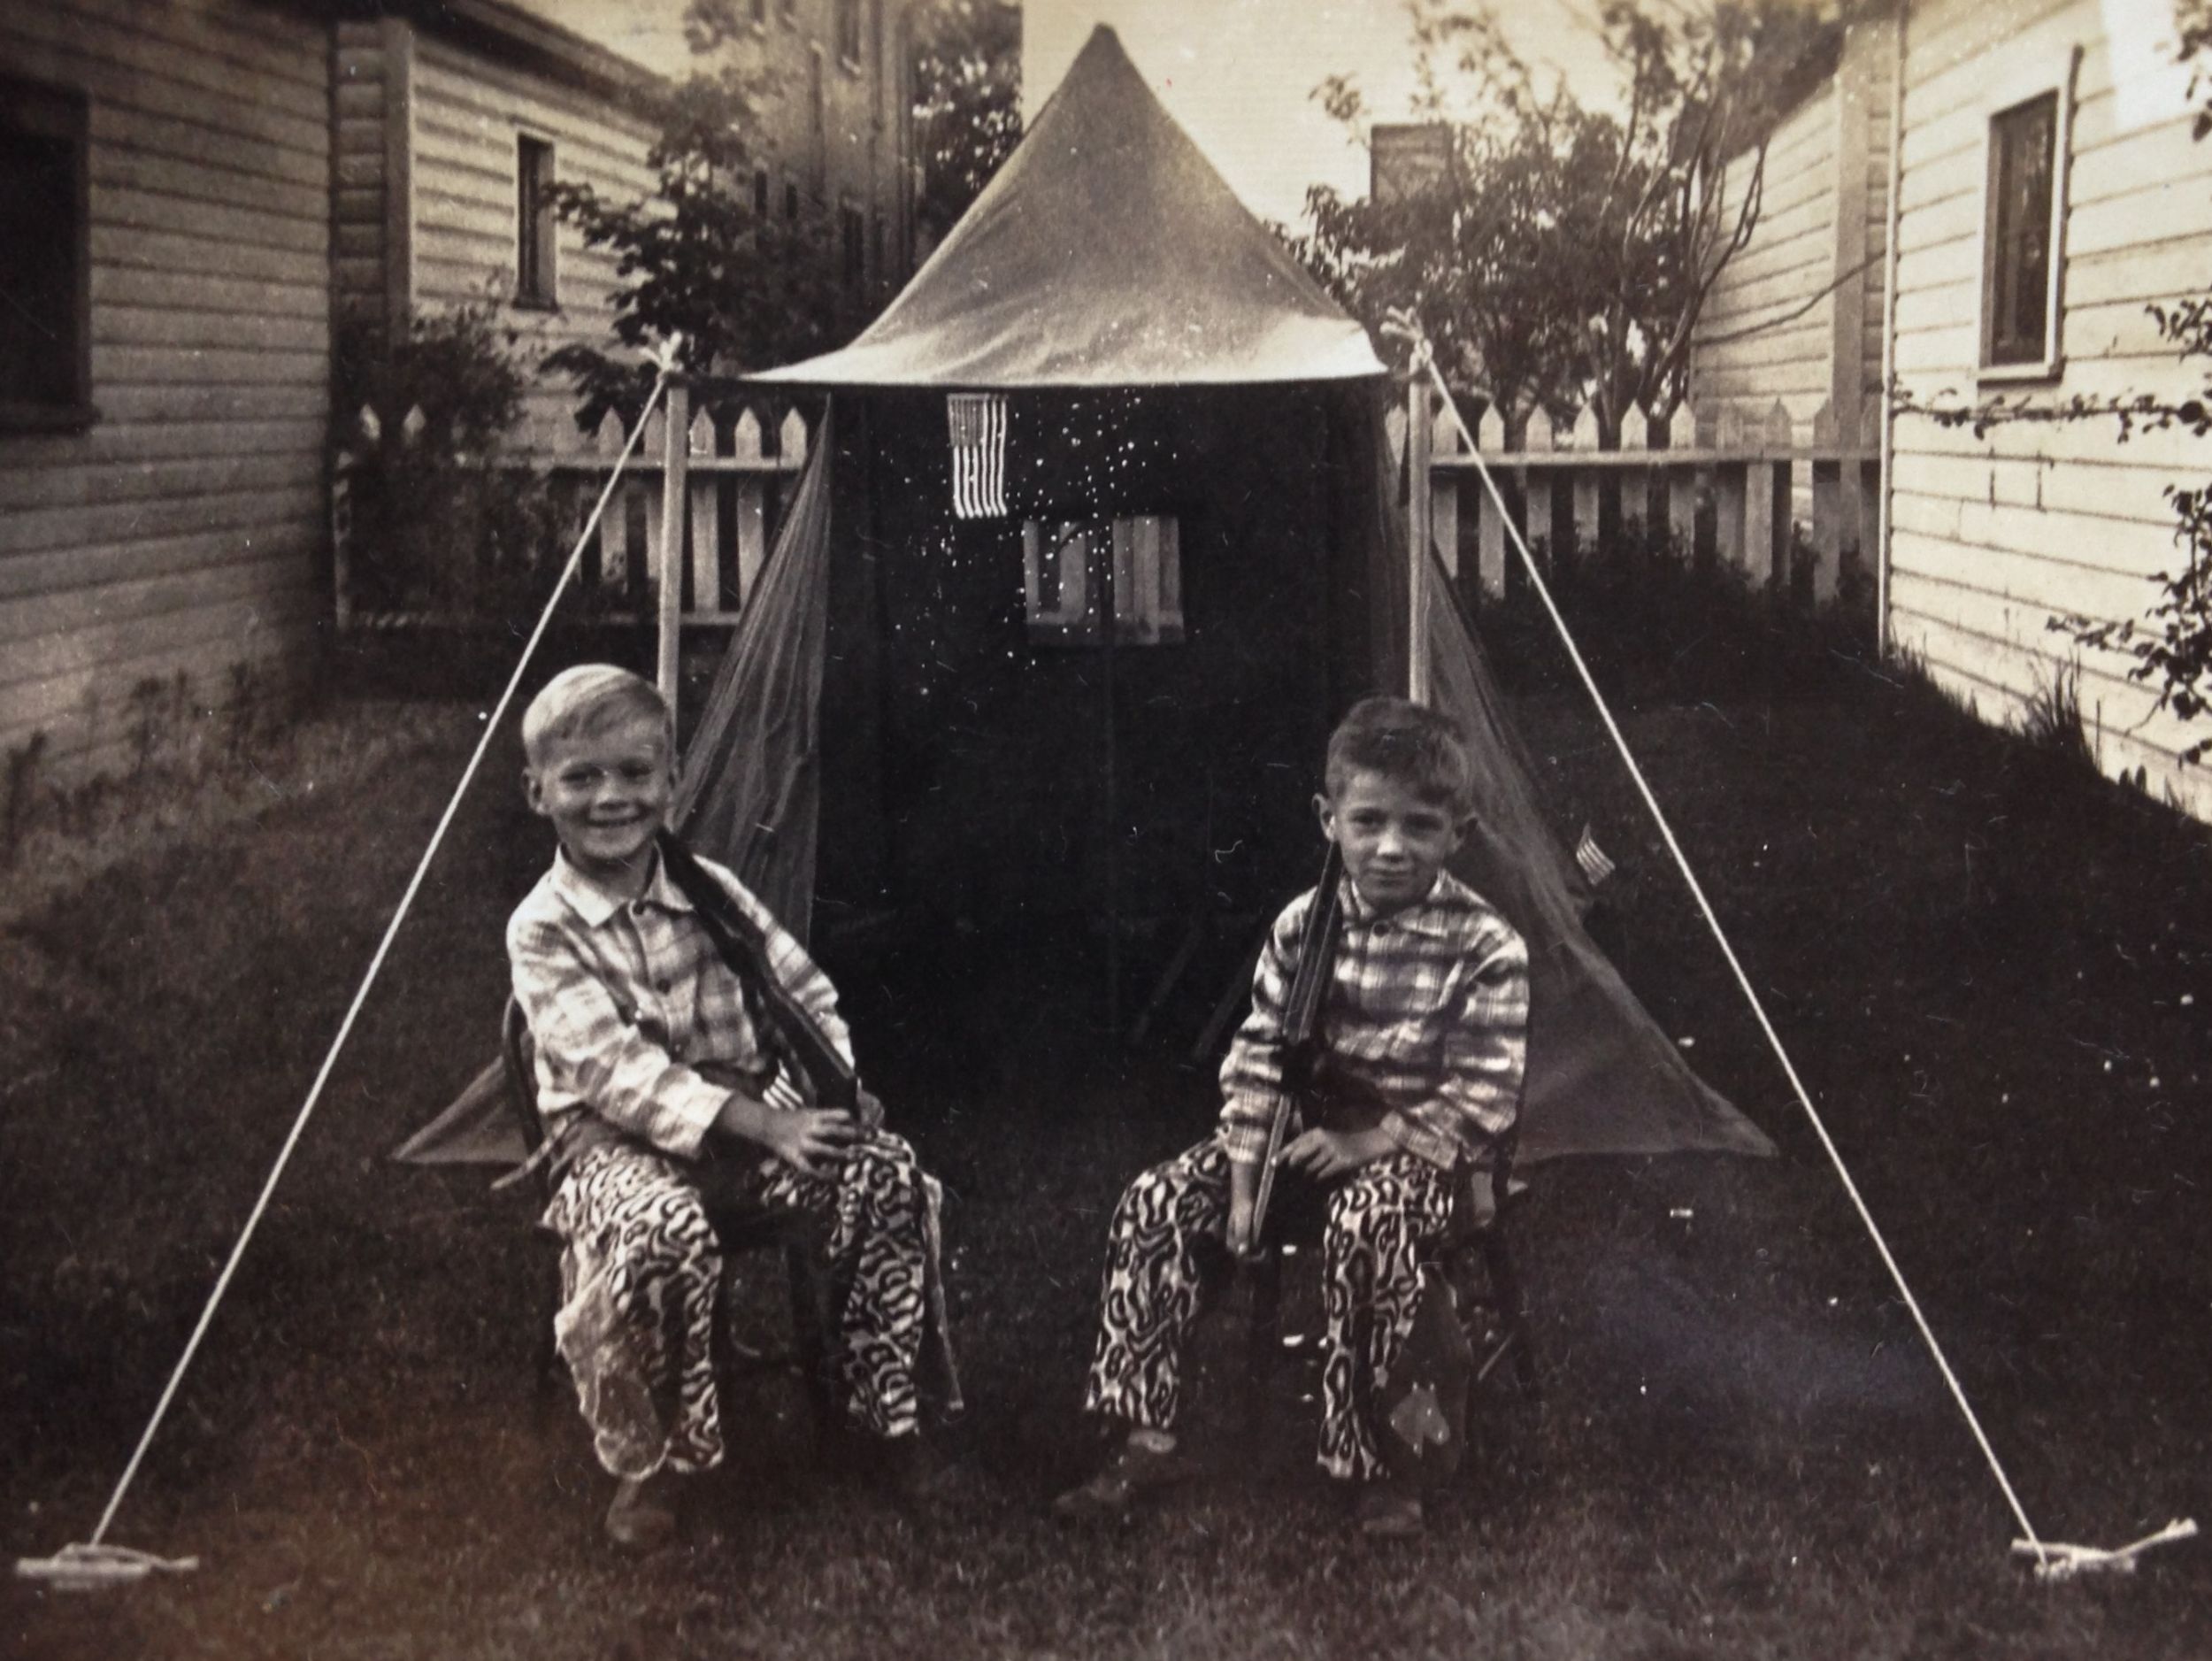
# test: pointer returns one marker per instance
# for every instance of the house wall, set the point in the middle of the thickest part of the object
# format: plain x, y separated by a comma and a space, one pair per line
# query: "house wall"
426, 121
184, 531
1789, 260
1796, 316
467, 115
1994, 534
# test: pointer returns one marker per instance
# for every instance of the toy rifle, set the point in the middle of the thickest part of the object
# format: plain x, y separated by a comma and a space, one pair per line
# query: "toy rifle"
741, 944
1302, 1019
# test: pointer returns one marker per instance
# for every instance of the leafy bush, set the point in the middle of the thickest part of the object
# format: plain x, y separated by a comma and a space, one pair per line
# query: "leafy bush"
436, 522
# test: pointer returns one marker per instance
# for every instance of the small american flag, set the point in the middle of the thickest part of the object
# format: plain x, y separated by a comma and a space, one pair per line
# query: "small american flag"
1595, 867
977, 420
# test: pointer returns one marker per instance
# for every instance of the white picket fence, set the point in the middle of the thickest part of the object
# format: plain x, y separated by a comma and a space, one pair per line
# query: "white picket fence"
731, 468
1728, 485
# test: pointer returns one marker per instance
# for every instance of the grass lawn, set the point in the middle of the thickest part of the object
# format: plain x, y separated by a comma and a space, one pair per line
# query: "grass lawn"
1987, 966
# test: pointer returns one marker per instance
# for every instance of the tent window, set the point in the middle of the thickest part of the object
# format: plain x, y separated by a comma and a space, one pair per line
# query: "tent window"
45, 362
1065, 567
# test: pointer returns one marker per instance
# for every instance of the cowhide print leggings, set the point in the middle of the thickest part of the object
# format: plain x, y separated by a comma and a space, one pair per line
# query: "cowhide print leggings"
1380, 1219
642, 1270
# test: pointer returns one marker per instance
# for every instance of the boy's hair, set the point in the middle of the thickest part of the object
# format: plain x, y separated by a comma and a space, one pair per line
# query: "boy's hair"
1409, 743
587, 699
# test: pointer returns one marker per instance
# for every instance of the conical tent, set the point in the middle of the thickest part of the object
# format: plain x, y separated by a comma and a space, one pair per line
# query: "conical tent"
885, 734
1107, 254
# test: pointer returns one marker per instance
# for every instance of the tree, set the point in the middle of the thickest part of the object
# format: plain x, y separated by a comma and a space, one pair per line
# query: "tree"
1563, 255
967, 103
743, 289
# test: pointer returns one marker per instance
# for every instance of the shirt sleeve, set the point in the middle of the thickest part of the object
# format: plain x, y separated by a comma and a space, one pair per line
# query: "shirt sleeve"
794, 969
1252, 1074
591, 1047
1486, 1054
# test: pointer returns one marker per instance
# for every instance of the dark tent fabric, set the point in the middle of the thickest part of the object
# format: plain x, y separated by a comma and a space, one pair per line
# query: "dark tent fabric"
1105, 252
1603, 1079
751, 791
1108, 254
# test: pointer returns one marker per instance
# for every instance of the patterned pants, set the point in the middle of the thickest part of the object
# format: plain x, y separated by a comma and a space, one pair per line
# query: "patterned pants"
1380, 1219
642, 1270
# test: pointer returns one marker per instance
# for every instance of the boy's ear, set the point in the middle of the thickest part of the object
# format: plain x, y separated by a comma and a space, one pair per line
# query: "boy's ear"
1324, 810
532, 792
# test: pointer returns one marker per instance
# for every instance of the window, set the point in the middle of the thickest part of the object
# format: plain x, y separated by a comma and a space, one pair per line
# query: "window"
45, 294
852, 233
848, 32
1066, 565
534, 222
2024, 233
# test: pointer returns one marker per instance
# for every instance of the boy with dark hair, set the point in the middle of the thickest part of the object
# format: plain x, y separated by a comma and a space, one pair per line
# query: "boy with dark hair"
661, 1070
1422, 1036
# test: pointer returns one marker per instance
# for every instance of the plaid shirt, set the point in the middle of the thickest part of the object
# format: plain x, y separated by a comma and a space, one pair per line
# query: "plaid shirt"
1427, 1009
628, 1001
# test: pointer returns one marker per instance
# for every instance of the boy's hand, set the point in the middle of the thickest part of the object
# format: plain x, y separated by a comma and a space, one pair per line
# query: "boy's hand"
810, 1140
1328, 1155
870, 1110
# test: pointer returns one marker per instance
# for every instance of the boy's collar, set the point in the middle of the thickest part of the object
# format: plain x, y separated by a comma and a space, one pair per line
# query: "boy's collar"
1423, 916
594, 904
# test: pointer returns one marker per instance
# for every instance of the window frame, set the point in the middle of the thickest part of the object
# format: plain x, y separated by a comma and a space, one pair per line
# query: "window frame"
55, 111
537, 227
2008, 97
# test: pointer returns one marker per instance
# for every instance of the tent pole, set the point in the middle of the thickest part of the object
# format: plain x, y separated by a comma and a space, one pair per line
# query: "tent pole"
675, 456
1107, 615
1419, 439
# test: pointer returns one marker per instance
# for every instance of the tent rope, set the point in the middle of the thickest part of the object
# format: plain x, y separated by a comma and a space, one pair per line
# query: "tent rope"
666, 366
1424, 361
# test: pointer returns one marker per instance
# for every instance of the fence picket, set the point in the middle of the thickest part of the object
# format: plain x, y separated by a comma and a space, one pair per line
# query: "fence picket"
705, 518
791, 441
752, 533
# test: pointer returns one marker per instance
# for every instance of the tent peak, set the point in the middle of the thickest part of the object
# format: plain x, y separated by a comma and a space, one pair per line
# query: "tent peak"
1106, 251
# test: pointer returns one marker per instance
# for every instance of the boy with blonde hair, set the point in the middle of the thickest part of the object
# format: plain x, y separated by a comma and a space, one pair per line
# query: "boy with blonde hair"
665, 1065
1423, 1038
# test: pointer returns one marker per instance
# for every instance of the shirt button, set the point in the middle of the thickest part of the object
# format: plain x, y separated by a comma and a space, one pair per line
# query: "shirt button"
661, 987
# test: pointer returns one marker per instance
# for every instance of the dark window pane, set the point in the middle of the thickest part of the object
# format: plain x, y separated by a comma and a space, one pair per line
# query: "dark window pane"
533, 222
2024, 141
43, 350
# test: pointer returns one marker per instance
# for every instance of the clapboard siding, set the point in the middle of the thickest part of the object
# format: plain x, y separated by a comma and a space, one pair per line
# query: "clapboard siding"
357, 168
183, 534
1796, 318
1995, 534
468, 114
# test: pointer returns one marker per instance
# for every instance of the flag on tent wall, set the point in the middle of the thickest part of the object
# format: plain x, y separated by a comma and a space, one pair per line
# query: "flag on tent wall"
1595, 867
977, 420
